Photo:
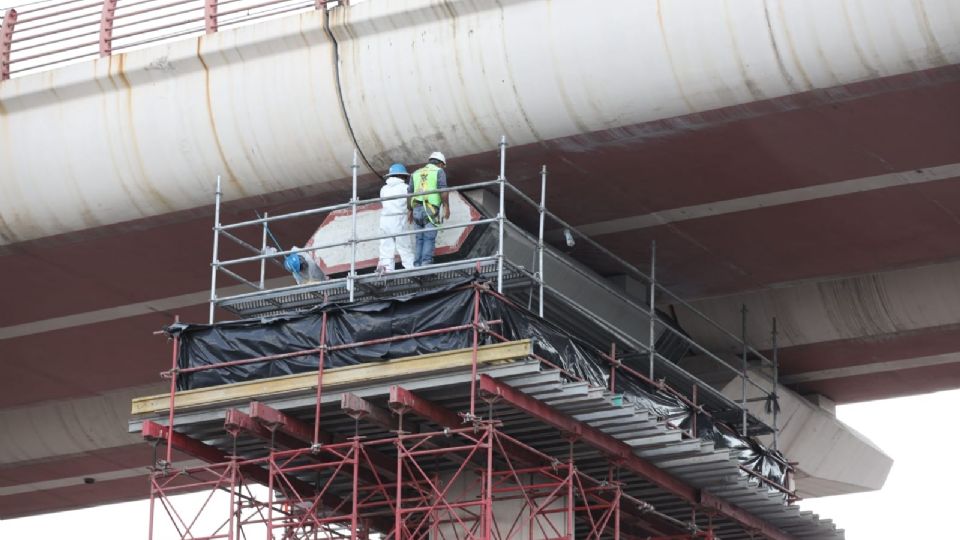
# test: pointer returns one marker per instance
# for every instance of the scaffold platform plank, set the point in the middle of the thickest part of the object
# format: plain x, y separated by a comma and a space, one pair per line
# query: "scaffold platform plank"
334, 377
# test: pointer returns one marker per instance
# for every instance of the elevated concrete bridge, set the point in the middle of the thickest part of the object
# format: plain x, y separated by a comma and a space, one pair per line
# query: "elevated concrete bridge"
800, 157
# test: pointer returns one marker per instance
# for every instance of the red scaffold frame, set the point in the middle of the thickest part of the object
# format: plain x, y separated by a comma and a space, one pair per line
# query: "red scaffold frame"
390, 490
481, 492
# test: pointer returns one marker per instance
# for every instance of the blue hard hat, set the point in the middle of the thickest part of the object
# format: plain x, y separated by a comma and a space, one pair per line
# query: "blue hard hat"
292, 263
397, 169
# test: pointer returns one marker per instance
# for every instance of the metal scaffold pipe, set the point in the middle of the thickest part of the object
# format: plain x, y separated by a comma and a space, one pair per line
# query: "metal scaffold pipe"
502, 213
263, 250
776, 380
353, 226
216, 247
543, 208
743, 369
651, 350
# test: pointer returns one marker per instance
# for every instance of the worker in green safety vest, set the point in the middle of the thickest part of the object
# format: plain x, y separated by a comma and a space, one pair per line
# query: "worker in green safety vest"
426, 209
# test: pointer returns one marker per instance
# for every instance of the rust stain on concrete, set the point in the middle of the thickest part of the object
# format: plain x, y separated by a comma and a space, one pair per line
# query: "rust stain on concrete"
673, 67
145, 183
230, 176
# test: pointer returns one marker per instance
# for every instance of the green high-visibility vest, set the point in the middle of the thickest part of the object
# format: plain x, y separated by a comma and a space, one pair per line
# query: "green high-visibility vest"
425, 179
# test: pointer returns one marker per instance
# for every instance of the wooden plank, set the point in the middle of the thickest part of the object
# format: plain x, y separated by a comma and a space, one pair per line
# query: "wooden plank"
333, 378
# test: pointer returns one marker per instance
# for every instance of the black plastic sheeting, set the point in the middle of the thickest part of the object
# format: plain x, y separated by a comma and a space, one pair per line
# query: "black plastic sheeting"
207, 345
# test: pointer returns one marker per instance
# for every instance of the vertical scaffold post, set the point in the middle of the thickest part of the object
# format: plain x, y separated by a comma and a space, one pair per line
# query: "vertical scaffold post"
215, 263
543, 210
474, 356
153, 504
570, 530
263, 249
696, 411
322, 361
613, 367
653, 305
616, 514
234, 528
398, 498
355, 497
776, 381
489, 523
500, 215
6, 42
173, 392
351, 281
743, 368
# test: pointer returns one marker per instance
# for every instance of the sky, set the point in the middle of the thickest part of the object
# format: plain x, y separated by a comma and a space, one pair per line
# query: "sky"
919, 432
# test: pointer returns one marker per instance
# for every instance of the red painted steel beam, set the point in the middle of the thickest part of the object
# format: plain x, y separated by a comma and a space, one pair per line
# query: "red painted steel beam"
198, 449
203, 451
299, 430
285, 423
6, 42
401, 398
237, 420
621, 453
360, 408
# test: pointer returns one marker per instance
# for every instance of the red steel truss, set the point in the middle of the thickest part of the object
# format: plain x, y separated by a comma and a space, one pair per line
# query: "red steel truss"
478, 492
463, 483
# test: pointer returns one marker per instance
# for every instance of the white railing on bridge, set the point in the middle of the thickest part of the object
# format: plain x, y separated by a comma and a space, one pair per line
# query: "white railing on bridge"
48, 33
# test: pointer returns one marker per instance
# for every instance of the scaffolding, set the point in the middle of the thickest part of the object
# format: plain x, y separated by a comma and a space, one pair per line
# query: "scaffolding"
476, 467
512, 275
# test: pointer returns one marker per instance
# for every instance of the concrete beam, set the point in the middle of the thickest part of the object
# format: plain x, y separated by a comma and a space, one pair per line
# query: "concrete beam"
833, 458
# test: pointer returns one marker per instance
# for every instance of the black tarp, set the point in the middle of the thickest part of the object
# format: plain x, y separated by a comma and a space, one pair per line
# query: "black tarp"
207, 345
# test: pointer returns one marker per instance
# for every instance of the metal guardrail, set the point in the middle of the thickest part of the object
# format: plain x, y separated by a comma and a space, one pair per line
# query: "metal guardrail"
535, 276
262, 254
41, 34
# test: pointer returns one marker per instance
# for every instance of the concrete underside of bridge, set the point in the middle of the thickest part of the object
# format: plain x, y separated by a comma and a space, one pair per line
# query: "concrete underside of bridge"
832, 204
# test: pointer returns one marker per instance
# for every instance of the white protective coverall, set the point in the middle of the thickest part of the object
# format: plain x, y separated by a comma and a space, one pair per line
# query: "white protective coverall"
393, 220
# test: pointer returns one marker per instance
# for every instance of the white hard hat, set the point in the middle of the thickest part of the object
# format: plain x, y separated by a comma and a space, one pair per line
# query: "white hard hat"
439, 157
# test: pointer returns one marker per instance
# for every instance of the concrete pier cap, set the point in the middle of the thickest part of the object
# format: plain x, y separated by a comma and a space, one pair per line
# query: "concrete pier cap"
832, 458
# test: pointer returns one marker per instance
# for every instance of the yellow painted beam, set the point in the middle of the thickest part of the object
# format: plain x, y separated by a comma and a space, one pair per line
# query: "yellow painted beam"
332, 378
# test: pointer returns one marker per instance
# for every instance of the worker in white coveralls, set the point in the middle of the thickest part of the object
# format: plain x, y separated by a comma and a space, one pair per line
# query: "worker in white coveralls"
393, 220
426, 209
